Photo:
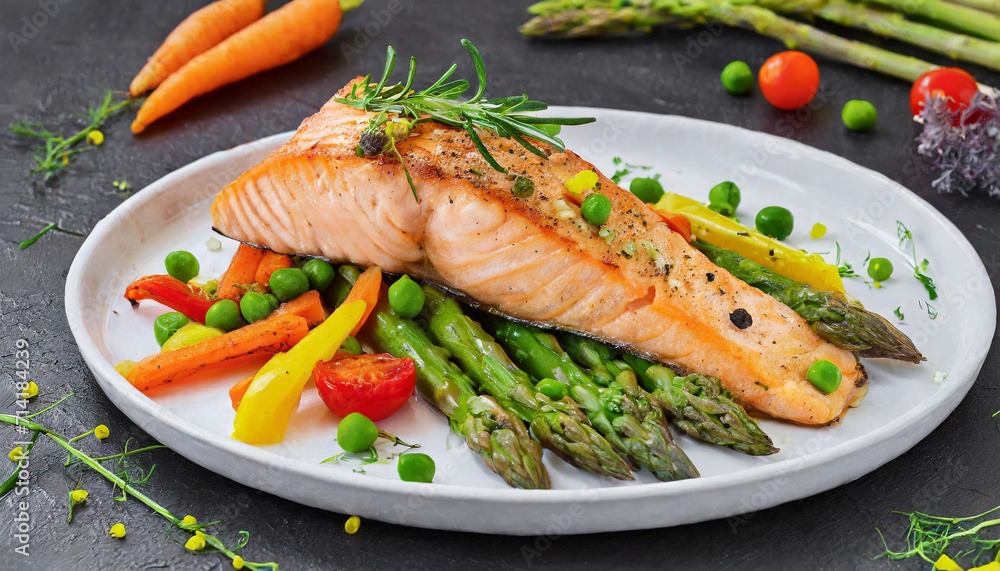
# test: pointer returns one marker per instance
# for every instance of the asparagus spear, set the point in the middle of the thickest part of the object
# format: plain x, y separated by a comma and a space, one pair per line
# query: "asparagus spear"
701, 407
991, 6
495, 434
575, 18
559, 425
697, 404
841, 321
896, 26
619, 413
963, 18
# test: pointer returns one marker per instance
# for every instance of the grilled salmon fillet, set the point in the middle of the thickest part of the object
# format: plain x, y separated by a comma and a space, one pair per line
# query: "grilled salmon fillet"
640, 286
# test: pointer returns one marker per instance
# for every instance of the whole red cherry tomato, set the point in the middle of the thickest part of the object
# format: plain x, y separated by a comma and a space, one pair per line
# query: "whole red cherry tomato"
373, 385
953, 83
789, 79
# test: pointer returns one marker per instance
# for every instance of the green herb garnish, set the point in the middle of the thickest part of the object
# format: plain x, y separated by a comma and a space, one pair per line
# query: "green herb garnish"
928, 537
55, 151
899, 313
919, 269
845, 269
624, 170
398, 108
52, 226
212, 544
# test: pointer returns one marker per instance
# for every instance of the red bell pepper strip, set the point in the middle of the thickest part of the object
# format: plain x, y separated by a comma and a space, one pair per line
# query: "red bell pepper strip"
190, 300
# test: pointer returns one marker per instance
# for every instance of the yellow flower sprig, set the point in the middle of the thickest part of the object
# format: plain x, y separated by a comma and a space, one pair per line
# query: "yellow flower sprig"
118, 530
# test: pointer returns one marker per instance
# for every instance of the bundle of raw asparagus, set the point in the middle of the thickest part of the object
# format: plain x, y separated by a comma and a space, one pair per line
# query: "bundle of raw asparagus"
612, 419
965, 30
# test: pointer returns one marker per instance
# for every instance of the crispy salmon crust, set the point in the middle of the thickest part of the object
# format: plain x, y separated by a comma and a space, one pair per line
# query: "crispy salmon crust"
642, 287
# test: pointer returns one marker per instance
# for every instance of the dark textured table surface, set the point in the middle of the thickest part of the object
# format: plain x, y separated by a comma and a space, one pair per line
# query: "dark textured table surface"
63, 66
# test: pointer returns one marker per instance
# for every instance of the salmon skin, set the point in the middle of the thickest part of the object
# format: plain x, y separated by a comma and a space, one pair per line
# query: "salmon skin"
637, 284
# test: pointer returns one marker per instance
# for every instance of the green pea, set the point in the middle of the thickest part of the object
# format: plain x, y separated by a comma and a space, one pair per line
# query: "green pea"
351, 345
182, 265
416, 467
288, 283
319, 273
724, 198
880, 269
224, 314
552, 389
255, 306
825, 376
859, 115
775, 221
523, 187
271, 300
168, 324
596, 209
737, 78
646, 189
406, 297
550, 130
356, 433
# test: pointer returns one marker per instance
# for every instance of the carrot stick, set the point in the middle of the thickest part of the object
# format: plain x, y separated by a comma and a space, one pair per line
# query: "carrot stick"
269, 263
242, 270
308, 306
280, 37
260, 338
366, 289
196, 34
238, 390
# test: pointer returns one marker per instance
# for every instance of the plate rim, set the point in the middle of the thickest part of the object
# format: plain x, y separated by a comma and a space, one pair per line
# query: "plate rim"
142, 410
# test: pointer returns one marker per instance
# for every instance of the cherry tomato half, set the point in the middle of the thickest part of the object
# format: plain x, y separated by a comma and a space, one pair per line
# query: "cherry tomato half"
789, 79
373, 385
953, 83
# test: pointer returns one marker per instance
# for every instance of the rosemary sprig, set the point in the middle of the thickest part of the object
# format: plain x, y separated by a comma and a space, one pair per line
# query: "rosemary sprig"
54, 152
397, 108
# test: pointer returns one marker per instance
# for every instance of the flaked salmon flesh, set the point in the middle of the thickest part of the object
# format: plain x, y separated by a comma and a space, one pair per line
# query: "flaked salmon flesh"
641, 286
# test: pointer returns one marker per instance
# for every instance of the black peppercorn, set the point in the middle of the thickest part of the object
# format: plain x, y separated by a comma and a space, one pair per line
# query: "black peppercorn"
741, 318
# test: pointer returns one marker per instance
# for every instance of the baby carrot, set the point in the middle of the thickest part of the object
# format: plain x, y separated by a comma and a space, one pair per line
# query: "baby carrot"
280, 37
242, 270
196, 34
270, 262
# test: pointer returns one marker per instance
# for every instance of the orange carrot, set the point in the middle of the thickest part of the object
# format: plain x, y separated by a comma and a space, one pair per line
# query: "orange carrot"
260, 338
270, 262
308, 306
237, 391
242, 270
280, 37
367, 289
196, 34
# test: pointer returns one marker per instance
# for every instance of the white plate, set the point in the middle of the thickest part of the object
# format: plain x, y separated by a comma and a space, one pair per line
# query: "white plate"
860, 208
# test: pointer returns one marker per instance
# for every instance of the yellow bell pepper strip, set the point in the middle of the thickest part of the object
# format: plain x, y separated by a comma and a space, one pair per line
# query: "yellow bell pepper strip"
263, 415
191, 334
945, 563
718, 230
